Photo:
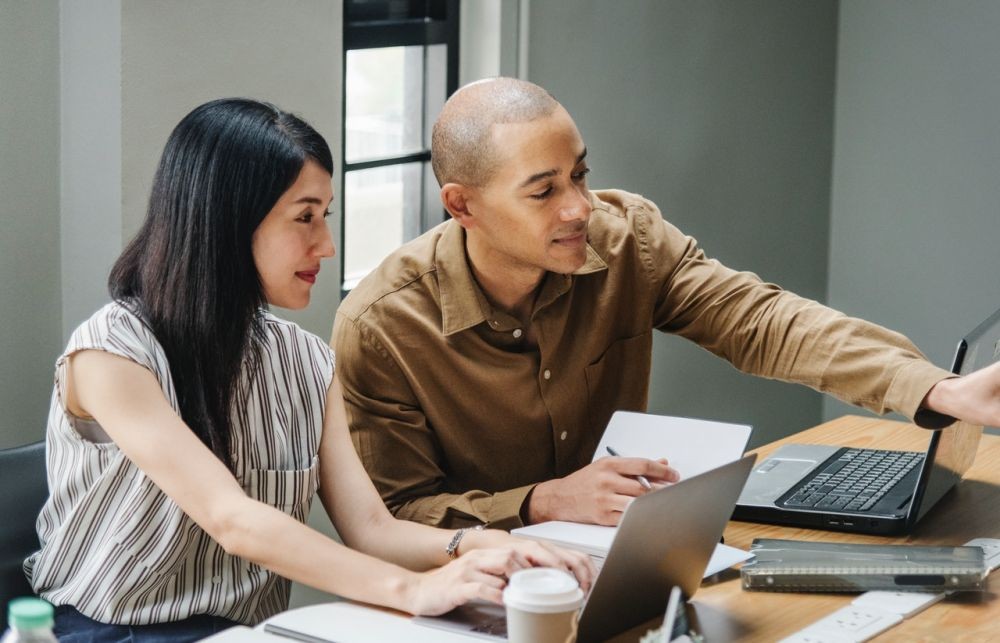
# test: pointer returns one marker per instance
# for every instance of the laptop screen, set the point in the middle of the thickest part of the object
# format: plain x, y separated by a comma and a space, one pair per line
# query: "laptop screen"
956, 445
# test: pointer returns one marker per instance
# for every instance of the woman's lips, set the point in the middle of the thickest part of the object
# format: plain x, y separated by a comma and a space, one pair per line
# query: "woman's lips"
307, 275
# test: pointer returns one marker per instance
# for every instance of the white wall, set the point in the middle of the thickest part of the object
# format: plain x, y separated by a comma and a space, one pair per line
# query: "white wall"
916, 200
30, 316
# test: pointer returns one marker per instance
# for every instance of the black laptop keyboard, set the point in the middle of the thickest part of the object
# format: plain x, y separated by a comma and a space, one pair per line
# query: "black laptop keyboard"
855, 481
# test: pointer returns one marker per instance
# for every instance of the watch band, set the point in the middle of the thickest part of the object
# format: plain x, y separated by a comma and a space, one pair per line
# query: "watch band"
452, 548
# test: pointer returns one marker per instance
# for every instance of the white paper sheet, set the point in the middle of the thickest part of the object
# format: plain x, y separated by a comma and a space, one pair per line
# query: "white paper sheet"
690, 446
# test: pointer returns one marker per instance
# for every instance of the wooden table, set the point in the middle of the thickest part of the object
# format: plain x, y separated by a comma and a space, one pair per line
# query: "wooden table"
970, 510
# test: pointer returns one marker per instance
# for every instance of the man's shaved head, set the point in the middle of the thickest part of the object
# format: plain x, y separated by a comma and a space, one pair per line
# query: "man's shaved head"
462, 149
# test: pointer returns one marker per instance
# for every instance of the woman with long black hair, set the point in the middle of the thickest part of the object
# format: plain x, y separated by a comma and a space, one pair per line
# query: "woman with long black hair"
190, 427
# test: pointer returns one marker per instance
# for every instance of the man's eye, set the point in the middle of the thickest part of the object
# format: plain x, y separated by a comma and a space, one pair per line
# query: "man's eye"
582, 174
542, 195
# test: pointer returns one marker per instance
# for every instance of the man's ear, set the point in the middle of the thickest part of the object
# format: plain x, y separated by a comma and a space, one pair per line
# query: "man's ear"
455, 198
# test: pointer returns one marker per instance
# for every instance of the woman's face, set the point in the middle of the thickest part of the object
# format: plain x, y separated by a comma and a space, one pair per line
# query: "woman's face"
293, 238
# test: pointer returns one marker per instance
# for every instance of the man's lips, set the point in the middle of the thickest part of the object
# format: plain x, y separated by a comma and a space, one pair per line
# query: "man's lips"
307, 275
573, 239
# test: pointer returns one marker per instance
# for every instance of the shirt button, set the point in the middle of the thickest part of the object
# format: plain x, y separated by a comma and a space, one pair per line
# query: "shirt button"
517, 333
547, 374
563, 435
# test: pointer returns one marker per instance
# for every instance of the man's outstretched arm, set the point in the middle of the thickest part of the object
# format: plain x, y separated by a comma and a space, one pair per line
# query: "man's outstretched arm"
973, 398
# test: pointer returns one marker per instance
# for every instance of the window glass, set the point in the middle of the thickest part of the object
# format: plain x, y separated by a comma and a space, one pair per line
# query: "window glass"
384, 103
381, 210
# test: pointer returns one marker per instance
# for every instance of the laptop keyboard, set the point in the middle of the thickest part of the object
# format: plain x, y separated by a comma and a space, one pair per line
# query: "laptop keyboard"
856, 480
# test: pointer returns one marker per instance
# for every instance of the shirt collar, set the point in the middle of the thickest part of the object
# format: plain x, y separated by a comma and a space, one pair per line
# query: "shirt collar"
463, 304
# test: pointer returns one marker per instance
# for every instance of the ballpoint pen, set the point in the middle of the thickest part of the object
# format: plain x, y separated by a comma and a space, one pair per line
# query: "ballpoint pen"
642, 479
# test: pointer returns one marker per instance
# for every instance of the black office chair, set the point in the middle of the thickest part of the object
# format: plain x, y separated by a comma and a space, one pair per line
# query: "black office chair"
23, 491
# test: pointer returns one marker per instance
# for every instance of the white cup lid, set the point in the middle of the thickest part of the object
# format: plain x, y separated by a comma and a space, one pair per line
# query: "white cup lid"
543, 590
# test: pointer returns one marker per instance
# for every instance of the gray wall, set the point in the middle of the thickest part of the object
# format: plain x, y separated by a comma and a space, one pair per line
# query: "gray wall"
91, 154
721, 113
29, 215
177, 55
916, 200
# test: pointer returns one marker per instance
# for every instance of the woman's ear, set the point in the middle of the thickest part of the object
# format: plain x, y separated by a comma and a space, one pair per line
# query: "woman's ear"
455, 198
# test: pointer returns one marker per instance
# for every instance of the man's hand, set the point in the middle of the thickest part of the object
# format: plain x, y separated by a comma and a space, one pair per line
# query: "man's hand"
597, 493
974, 398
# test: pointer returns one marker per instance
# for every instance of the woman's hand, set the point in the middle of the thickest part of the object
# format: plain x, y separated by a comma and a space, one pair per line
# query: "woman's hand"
482, 570
538, 554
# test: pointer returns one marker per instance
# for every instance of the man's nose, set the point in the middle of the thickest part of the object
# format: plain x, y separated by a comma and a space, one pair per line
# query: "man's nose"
576, 207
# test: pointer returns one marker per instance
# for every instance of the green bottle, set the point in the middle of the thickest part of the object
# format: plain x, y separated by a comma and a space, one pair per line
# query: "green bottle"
30, 621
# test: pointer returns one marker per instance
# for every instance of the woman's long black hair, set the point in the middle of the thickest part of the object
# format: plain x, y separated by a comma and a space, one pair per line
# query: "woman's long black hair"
189, 272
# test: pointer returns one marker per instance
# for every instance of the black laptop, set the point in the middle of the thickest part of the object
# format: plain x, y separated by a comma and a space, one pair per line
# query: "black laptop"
870, 491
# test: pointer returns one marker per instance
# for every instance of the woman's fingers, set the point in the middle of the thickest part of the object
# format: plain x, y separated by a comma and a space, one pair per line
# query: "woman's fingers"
488, 593
490, 568
576, 563
499, 562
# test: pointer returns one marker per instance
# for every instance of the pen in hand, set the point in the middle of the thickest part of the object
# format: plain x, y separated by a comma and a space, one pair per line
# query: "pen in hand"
642, 479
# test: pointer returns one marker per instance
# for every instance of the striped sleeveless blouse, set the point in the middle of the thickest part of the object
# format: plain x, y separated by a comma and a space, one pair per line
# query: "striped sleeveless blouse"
116, 547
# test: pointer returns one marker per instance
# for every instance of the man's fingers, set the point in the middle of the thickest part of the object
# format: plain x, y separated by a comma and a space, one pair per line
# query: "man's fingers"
657, 469
627, 486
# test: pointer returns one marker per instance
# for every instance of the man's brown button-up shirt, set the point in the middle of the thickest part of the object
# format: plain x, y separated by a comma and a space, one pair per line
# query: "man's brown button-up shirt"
456, 417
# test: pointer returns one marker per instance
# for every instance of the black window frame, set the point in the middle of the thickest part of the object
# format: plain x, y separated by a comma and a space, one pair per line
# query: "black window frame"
373, 24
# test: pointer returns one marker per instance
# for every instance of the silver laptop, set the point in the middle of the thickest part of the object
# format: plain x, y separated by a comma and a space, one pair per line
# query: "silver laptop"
871, 491
665, 539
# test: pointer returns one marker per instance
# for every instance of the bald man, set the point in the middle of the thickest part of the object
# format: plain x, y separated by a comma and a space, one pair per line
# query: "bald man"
481, 362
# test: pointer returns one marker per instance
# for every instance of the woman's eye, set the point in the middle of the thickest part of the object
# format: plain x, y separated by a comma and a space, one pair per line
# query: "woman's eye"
541, 195
306, 218
582, 174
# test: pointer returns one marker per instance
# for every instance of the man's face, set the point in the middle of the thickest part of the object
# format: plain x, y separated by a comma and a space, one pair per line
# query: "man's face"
533, 212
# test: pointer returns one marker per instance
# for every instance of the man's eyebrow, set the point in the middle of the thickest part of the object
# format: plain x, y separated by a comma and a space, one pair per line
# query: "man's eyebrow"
547, 173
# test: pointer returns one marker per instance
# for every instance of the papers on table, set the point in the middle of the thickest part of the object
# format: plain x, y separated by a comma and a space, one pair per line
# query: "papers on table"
596, 541
691, 446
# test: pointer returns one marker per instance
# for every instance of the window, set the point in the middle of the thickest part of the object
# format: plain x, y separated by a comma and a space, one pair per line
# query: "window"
400, 64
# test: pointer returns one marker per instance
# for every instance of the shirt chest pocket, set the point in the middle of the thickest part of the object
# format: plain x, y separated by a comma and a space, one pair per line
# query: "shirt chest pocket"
289, 490
619, 380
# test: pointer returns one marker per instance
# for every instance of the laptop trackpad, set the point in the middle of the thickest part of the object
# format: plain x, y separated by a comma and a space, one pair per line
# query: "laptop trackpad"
774, 476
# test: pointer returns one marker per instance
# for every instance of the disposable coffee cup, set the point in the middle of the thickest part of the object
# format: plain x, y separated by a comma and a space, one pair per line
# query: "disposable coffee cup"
542, 606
